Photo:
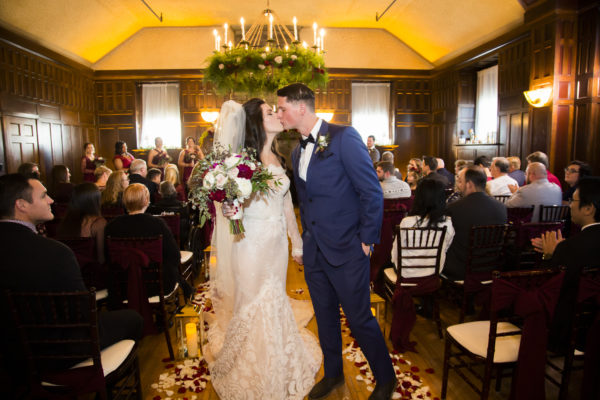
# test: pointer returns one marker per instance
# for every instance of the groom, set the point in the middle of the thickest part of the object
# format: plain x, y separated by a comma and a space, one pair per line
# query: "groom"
341, 207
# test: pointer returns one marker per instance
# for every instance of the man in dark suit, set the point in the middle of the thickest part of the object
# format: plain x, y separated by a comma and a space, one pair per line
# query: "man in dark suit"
441, 169
341, 208
476, 208
31, 262
430, 166
138, 170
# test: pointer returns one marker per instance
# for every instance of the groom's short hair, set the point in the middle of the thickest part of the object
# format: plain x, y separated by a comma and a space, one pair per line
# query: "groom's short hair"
298, 92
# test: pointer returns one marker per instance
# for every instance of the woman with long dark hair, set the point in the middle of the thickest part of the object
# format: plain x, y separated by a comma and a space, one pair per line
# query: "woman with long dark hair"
253, 321
83, 218
122, 158
61, 187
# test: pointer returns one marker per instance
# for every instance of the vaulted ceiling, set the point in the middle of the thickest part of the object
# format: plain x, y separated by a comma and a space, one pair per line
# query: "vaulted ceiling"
87, 30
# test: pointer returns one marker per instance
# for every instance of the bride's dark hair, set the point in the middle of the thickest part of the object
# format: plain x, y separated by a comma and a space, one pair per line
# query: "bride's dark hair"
255, 129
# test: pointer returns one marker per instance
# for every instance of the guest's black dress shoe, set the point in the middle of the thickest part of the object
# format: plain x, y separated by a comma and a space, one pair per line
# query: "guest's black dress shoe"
325, 386
384, 391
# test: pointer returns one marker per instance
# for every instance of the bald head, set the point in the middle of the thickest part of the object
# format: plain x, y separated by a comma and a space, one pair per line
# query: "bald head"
536, 171
440, 163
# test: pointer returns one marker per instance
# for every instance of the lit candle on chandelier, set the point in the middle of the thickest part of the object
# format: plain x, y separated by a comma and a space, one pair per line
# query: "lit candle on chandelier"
215, 34
270, 26
295, 29
225, 29
322, 41
314, 33
243, 29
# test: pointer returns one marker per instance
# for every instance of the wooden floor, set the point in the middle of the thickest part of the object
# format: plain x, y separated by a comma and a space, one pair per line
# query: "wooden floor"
153, 349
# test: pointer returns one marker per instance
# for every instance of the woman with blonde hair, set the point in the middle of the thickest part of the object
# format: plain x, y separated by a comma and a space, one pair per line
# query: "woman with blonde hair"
172, 176
113, 193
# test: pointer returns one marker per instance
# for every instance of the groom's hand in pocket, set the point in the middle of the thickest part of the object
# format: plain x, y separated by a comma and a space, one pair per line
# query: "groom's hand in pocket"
366, 249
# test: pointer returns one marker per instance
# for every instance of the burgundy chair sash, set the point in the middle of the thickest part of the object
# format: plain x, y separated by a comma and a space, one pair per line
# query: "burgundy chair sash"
134, 260
536, 307
404, 316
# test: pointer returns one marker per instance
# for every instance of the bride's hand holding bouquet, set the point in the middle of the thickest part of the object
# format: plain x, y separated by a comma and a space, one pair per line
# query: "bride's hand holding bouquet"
228, 178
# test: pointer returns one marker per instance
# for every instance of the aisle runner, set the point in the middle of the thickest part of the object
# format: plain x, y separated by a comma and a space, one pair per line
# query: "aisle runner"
186, 378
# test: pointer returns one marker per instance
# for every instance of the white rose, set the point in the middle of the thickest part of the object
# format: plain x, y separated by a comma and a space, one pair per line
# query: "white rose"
294, 57
278, 59
209, 180
264, 56
232, 161
261, 66
252, 166
219, 169
221, 66
220, 181
244, 186
233, 173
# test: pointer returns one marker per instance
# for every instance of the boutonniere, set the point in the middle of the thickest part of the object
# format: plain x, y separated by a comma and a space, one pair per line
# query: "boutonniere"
323, 142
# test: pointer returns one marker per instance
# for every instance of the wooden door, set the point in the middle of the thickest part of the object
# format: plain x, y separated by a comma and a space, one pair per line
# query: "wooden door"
20, 139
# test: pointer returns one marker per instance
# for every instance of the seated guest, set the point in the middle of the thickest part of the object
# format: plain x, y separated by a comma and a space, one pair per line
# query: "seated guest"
443, 171
430, 170
61, 187
499, 185
476, 208
393, 188
113, 193
136, 199
138, 174
169, 203
33, 263
389, 157
122, 158
484, 162
540, 157
154, 175
537, 192
428, 210
101, 175
83, 217
373, 152
459, 165
412, 178
573, 174
514, 170
172, 175
415, 165
29, 170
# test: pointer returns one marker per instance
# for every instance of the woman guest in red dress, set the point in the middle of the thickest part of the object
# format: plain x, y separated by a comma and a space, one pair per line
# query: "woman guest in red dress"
188, 157
158, 156
88, 162
122, 158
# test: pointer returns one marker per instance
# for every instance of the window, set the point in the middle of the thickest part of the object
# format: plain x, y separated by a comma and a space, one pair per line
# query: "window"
371, 111
160, 115
486, 109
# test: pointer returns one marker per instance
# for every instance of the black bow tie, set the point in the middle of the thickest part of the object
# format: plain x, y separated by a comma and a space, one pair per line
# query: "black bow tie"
304, 142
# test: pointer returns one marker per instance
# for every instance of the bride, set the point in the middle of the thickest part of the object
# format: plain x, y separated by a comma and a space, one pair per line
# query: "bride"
257, 345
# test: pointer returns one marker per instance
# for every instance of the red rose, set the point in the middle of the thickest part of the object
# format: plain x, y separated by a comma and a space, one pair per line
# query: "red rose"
267, 62
219, 196
244, 171
291, 63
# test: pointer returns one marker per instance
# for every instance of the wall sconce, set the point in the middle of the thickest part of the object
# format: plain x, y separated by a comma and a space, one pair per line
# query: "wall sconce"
325, 115
539, 97
210, 116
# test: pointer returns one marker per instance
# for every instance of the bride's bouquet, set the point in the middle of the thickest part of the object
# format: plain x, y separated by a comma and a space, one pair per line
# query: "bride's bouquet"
227, 177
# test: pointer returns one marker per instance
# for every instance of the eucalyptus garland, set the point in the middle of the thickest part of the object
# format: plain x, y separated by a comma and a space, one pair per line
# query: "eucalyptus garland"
256, 71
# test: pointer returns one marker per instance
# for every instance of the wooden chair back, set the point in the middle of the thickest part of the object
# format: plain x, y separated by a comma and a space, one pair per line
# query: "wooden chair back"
554, 213
502, 198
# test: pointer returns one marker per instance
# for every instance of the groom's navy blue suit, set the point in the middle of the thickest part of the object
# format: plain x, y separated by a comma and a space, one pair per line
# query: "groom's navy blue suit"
341, 205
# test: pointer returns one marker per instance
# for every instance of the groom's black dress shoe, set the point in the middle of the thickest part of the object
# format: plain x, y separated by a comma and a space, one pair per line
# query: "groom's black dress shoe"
325, 386
384, 391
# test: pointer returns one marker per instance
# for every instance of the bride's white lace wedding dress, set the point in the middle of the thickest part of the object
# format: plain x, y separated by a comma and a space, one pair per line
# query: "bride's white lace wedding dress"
258, 347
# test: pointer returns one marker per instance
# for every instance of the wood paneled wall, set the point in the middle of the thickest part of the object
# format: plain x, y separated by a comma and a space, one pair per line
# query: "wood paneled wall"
47, 111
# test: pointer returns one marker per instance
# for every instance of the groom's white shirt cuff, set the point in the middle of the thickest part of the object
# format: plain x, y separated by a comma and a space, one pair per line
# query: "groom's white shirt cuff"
306, 153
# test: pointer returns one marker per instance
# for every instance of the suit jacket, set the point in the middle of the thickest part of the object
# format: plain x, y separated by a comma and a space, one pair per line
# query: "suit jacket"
449, 175
540, 192
435, 175
152, 187
341, 202
475, 209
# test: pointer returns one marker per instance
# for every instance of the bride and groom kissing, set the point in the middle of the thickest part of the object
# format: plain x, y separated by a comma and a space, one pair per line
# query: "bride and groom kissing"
257, 345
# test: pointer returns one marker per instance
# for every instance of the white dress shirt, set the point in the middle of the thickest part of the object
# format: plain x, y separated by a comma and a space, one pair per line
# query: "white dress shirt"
306, 153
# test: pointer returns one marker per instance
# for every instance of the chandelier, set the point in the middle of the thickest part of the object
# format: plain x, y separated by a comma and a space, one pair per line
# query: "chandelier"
268, 56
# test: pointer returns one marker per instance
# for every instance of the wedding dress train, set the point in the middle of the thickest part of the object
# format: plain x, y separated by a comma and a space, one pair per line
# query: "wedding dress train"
257, 348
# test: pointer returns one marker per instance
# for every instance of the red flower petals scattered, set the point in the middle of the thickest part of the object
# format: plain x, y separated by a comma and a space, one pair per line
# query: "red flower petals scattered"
430, 370
181, 390
414, 369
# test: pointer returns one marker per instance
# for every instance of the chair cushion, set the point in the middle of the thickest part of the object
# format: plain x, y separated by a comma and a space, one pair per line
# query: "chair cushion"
186, 256
390, 275
112, 356
156, 299
101, 294
474, 337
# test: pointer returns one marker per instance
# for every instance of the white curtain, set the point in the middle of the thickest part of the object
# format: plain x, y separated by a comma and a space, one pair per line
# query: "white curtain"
486, 110
371, 111
160, 115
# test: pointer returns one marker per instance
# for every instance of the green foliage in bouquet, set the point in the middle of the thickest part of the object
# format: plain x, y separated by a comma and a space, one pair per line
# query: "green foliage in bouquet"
255, 71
